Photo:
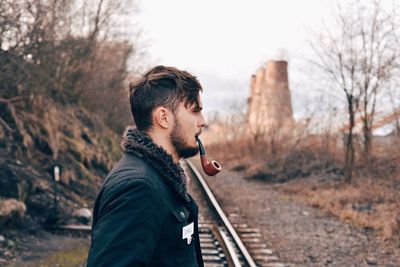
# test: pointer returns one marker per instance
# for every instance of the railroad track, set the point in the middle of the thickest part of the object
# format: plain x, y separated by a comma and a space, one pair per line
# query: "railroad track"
226, 241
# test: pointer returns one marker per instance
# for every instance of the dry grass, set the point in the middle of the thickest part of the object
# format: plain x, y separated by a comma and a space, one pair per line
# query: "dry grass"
371, 200
365, 203
368, 201
74, 257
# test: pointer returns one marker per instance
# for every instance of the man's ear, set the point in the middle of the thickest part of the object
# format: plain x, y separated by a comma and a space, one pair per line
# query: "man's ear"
162, 117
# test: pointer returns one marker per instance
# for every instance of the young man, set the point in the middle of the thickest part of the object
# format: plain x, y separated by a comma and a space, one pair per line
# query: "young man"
143, 215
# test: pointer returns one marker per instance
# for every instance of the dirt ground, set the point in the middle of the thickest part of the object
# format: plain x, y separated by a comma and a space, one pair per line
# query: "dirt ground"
299, 234
44, 249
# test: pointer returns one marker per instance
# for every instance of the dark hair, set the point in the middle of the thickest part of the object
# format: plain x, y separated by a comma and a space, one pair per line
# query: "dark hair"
161, 86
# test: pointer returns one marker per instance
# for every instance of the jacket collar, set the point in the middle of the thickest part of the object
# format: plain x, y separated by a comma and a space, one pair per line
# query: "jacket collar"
136, 142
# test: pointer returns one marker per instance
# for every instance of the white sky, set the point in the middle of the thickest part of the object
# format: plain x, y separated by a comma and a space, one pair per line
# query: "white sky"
224, 42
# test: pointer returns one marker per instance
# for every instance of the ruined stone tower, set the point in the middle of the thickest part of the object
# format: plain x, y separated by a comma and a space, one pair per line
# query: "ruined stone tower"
269, 104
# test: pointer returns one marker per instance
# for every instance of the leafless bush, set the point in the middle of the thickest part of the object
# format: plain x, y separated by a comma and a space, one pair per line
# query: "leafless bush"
71, 51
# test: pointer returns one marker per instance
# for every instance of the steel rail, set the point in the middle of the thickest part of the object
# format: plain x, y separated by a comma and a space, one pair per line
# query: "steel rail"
247, 257
233, 257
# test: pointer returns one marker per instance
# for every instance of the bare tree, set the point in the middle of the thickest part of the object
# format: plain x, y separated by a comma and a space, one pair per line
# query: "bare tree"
73, 51
360, 57
379, 58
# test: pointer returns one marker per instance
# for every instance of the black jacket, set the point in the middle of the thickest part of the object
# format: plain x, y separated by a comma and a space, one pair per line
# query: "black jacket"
142, 211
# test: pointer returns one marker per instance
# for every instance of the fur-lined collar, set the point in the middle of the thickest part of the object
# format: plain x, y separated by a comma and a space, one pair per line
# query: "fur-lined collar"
136, 142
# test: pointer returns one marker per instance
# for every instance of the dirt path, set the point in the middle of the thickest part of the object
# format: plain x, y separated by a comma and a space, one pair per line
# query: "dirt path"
44, 249
299, 234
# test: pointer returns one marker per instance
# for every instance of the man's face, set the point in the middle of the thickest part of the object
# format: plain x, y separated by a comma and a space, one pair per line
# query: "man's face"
188, 124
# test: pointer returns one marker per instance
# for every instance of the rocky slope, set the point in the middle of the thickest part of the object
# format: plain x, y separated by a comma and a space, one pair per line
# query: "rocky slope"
36, 135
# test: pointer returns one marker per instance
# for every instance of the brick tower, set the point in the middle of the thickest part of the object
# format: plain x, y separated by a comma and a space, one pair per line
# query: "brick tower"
269, 104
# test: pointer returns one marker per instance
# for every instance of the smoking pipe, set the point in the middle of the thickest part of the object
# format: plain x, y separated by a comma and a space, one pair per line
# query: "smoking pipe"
210, 168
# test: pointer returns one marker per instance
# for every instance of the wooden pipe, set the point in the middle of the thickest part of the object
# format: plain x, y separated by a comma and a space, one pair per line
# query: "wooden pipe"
210, 168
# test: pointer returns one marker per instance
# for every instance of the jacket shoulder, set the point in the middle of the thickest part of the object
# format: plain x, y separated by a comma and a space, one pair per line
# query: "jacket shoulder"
130, 171
131, 167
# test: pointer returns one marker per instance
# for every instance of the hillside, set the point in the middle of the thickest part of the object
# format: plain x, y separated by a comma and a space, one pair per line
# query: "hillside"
37, 134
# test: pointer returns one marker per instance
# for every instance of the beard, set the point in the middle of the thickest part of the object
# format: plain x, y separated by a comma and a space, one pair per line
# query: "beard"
180, 143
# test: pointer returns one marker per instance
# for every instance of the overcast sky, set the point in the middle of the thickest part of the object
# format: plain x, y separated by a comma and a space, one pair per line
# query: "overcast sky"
224, 42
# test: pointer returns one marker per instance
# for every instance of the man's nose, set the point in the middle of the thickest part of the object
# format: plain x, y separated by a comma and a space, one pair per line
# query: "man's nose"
202, 121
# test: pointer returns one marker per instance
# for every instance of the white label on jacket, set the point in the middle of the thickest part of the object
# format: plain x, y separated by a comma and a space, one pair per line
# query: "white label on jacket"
187, 232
